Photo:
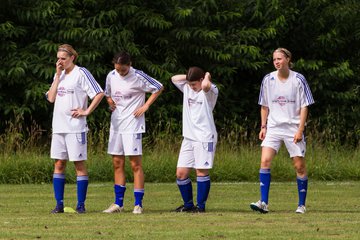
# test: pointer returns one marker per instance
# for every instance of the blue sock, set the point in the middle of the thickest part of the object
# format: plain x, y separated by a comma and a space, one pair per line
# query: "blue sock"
59, 186
302, 184
119, 194
138, 194
203, 188
185, 188
82, 185
265, 179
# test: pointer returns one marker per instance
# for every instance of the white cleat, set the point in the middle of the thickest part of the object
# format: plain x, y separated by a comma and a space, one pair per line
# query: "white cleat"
301, 209
138, 210
259, 206
114, 208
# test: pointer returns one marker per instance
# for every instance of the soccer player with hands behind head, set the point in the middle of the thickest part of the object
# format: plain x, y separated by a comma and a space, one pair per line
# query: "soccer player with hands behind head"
200, 136
70, 89
125, 92
284, 99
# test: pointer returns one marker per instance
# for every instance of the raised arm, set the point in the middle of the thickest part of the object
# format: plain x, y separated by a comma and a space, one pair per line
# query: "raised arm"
178, 78
51, 94
206, 82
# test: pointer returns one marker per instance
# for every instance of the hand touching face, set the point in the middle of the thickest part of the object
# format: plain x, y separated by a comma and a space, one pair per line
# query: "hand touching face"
64, 60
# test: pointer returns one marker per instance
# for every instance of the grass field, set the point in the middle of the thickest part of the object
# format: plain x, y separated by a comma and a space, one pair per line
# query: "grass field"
333, 213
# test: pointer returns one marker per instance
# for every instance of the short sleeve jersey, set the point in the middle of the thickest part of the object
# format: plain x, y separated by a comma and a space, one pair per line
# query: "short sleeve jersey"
72, 93
128, 92
284, 99
198, 120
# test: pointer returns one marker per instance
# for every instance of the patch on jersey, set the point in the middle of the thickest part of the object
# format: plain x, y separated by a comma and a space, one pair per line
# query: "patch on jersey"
61, 91
281, 100
116, 96
192, 102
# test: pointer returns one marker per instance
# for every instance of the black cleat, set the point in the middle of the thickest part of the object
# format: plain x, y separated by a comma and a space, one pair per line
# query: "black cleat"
182, 208
197, 209
58, 209
80, 209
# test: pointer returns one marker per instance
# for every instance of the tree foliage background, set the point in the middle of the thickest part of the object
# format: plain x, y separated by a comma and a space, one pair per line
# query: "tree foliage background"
232, 39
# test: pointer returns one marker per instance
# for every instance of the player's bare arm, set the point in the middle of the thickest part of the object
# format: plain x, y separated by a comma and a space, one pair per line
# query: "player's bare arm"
303, 116
264, 112
178, 78
206, 82
140, 111
51, 94
78, 112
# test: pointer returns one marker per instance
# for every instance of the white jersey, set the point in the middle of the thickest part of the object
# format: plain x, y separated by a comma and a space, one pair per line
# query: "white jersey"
198, 121
128, 92
284, 99
73, 92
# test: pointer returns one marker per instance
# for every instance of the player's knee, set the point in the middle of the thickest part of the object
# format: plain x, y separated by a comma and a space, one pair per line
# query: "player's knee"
59, 169
265, 163
136, 167
60, 166
300, 169
81, 172
181, 175
118, 166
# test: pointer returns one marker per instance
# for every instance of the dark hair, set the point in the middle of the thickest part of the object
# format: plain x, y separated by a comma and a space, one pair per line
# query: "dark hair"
122, 58
195, 74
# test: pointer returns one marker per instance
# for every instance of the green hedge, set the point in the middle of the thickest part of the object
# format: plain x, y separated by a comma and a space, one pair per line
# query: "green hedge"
232, 39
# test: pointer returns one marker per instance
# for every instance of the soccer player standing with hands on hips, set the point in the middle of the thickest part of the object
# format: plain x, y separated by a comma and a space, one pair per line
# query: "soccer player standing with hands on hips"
284, 99
71, 87
125, 92
200, 136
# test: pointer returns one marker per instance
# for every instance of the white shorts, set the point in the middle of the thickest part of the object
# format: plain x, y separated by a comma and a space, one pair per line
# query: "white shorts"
198, 155
69, 146
125, 144
274, 138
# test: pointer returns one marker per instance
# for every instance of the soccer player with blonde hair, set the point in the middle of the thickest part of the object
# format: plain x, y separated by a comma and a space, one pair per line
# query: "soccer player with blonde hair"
70, 90
284, 99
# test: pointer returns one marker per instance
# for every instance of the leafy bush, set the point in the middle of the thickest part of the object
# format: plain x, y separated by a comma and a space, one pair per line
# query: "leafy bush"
232, 39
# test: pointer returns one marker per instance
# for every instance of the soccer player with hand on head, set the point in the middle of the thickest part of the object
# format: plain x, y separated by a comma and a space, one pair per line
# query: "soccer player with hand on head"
125, 92
200, 136
284, 99
70, 90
